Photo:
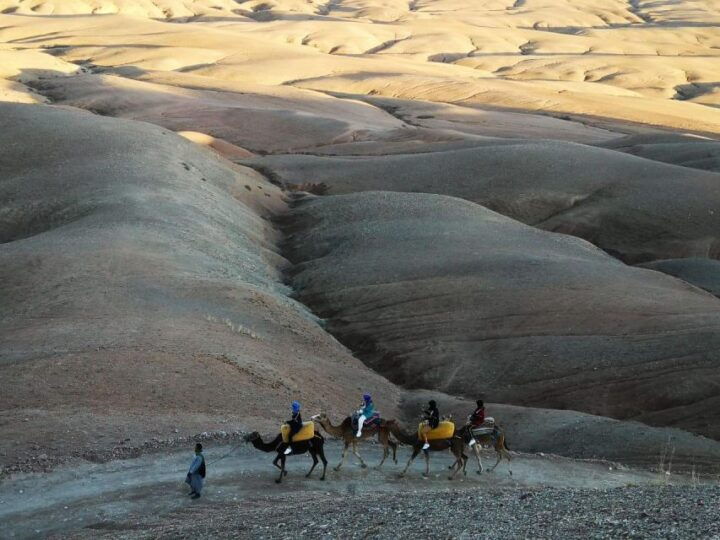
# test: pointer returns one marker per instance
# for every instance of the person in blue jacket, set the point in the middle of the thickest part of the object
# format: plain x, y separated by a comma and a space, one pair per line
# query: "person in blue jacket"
196, 473
367, 410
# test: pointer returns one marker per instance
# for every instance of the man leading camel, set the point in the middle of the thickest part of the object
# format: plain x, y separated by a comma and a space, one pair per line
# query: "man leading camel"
196, 473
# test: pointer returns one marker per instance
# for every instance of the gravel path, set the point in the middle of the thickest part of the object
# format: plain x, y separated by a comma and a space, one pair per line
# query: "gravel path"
146, 497
630, 512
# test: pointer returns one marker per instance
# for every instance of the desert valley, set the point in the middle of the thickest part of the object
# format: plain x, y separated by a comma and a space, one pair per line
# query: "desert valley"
212, 208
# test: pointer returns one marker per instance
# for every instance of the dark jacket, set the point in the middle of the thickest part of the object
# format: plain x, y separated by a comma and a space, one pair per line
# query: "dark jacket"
478, 417
295, 423
432, 415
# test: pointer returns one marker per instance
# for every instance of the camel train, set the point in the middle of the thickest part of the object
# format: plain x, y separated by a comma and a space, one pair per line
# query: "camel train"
433, 435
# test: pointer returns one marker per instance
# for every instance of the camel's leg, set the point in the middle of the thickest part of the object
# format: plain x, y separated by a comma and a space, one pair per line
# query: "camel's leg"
354, 449
313, 455
275, 462
321, 453
344, 453
282, 468
384, 440
457, 466
507, 456
476, 447
416, 451
499, 458
394, 450
427, 463
386, 451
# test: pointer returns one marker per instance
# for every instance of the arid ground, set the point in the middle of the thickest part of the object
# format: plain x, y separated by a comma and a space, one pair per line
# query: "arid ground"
210, 208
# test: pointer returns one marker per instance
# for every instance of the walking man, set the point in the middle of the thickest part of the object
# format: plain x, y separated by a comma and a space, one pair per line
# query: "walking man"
196, 473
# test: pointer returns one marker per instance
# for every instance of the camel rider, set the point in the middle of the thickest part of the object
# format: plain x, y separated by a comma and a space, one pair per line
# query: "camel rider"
477, 418
295, 424
431, 417
367, 410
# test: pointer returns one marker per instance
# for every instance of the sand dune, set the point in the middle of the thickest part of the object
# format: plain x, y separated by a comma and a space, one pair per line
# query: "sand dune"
436, 292
135, 8
657, 60
249, 116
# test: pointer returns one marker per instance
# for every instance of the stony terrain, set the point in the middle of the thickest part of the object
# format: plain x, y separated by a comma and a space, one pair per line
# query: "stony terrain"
631, 512
146, 497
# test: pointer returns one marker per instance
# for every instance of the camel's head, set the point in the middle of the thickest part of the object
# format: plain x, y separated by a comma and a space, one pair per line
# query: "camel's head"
322, 417
252, 436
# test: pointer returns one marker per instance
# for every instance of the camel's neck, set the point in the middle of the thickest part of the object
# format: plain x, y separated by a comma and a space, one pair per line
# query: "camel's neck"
335, 431
267, 447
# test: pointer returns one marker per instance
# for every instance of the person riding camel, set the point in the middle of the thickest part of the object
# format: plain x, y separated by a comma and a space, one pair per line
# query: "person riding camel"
295, 424
366, 412
431, 417
477, 418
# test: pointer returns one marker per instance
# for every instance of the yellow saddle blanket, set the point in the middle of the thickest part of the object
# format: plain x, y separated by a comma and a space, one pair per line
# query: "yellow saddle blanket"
307, 431
445, 430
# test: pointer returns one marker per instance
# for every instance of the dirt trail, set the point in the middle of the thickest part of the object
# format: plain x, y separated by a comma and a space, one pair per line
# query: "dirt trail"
104, 495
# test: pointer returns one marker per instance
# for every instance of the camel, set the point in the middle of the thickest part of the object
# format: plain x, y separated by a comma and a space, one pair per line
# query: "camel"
315, 446
498, 443
346, 432
456, 445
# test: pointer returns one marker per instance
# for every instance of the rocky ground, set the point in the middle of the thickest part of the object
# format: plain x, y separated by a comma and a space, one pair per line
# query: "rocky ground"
628, 512
544, 496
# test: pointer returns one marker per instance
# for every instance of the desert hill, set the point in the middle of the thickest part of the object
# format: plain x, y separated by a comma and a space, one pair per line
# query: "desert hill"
512, 198
703, 273
142, 287
145, 300
635, 208
436, 292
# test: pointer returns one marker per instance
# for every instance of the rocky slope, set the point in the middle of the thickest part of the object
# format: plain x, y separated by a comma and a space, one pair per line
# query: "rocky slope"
437, 292
142, 292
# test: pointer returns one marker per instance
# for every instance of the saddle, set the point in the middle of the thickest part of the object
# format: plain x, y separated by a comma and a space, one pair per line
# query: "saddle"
445, 430
487, 428
307, 432
374, 419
